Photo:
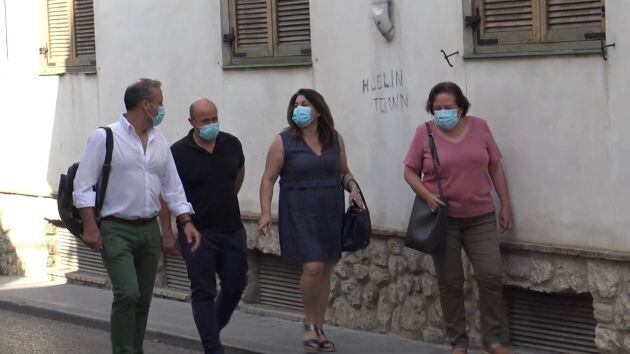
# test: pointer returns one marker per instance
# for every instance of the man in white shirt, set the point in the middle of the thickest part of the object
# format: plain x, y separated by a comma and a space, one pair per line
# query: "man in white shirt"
129, 236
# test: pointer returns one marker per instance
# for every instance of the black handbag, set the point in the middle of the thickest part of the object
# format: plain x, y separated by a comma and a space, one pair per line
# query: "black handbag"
357, 227
426, 231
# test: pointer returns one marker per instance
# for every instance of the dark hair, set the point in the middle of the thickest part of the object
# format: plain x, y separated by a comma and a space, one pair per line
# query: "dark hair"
450, 88
325, 122
191, 111
139, 91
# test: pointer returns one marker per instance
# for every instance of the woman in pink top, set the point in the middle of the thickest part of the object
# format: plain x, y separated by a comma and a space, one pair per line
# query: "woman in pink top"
470, 167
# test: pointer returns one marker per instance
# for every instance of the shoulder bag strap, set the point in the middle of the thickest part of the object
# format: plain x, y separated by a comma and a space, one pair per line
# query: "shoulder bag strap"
435, 158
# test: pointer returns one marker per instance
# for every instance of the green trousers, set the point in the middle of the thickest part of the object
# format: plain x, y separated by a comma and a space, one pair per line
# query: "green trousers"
130, 255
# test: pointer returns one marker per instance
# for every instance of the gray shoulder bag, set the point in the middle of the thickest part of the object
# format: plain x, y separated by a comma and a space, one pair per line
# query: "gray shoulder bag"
426, 231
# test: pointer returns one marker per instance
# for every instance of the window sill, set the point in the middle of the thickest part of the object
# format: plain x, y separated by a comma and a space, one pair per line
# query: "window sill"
274, 64
548, 53
88, 70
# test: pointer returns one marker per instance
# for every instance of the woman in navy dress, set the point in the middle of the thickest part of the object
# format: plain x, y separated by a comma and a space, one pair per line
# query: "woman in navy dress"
310, 159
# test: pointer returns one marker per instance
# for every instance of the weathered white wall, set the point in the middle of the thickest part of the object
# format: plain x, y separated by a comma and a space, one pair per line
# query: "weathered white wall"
560, 121
180, 44
43, 124
615, 175
3, 38
346, 55
44, 118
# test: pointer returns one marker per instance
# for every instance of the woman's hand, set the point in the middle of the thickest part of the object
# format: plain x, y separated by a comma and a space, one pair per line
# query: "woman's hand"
355, 195
434, 202
264, 224
505, 218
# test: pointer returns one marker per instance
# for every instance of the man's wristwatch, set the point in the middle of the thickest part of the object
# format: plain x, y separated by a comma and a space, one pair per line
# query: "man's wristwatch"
184, 222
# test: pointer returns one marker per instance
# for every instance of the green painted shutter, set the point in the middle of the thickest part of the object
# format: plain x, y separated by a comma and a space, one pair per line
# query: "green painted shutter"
570, 20
84, 43
57, 47
251, 24
506, 21
292, 27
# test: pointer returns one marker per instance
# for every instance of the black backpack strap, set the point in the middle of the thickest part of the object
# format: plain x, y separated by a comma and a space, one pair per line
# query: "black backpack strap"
107, 166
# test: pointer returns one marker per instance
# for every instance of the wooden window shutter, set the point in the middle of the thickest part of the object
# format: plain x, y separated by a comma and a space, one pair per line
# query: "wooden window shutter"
293, 27
84, 43
506, 21
251, 23
570, 20
56, 51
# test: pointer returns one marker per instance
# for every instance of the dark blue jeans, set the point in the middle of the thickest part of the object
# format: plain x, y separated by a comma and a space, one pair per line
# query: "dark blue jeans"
225, 255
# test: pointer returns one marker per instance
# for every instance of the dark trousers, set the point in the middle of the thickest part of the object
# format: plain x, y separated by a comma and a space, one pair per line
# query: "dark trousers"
479, 238
225, 255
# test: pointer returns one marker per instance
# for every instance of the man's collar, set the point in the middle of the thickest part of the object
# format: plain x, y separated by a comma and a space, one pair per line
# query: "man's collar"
190, 140
130, 128
124, 122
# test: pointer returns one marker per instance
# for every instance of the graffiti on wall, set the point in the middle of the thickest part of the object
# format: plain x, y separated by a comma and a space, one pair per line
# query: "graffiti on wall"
387, 91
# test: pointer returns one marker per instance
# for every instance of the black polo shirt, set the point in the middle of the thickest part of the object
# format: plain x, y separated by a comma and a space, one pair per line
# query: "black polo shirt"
209, 181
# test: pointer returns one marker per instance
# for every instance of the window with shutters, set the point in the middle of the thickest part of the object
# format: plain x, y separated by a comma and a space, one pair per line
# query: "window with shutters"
276, 32
68, 43
537, 26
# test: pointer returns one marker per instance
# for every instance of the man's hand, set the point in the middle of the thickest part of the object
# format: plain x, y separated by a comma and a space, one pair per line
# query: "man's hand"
92, 238
192, 235
91, 234
170, 245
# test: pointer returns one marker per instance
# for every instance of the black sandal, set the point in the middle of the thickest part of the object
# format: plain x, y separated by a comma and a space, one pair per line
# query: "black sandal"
311, 345
325, 345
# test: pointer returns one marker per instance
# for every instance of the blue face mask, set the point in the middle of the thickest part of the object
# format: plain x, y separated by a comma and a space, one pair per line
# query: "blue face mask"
302, 116
209, 132
159, 117
446, 118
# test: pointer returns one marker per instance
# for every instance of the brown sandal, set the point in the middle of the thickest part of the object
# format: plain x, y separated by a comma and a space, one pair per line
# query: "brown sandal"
325, 345
311, 345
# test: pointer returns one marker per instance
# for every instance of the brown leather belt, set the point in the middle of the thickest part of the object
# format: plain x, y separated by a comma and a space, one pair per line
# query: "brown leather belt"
133, 222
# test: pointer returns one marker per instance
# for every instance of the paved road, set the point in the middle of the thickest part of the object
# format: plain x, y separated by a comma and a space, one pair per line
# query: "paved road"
22, 334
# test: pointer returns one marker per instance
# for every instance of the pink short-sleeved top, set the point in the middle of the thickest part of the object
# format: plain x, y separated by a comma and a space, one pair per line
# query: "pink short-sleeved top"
464, 167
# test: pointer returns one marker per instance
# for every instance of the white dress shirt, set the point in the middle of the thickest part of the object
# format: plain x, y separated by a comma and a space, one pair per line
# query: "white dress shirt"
136, 178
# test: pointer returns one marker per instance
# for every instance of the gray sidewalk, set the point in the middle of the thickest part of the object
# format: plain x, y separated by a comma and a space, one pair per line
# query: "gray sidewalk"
171, 321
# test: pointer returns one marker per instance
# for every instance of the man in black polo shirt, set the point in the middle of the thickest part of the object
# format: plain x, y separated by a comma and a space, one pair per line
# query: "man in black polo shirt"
210, 164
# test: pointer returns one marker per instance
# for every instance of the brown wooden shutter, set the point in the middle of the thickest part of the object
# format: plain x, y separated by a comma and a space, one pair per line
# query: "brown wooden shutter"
57, 48
251, 23
506, 21
85, 45
570, 20
293, 27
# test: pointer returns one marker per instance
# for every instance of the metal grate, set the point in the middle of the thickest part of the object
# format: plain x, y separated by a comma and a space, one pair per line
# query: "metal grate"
176, 274
75, 256
561, 323
279, 283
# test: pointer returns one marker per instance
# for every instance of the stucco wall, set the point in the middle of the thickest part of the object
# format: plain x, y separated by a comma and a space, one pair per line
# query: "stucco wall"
560, 121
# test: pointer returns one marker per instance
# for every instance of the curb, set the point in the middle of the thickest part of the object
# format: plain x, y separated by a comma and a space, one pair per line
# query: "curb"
20, 306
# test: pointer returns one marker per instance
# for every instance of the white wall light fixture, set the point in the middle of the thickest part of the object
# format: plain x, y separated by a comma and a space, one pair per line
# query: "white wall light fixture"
380, 15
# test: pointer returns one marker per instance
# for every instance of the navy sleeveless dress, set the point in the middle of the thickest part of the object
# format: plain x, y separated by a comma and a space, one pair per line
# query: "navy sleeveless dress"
312, 205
